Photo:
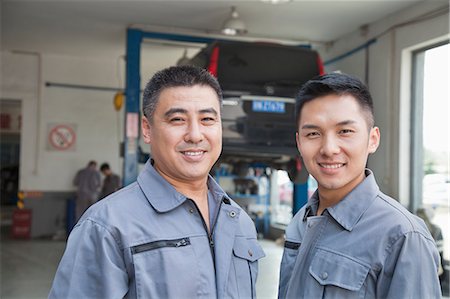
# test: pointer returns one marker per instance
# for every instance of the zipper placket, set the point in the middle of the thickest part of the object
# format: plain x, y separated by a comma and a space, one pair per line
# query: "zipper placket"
160, 244
210, 234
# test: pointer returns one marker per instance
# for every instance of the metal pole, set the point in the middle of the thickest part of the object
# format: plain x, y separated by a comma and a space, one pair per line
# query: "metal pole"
132, 93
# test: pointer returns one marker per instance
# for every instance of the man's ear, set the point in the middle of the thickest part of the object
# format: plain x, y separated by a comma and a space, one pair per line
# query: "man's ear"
374, 139
145, 128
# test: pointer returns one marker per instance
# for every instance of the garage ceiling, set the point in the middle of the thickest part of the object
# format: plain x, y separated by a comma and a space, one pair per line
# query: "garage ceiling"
98, 27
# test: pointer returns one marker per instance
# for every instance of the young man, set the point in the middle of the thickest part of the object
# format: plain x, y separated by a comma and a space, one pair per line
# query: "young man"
111, 182
350, 240
174, 233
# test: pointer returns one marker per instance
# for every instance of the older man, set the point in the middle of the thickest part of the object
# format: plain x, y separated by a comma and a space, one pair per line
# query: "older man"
174, 233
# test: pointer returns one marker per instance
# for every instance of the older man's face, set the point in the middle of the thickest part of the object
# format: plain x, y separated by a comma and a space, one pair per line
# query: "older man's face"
186, 133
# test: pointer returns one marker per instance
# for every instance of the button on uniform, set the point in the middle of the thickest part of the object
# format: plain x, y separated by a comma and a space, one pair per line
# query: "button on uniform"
324, 275
232, 214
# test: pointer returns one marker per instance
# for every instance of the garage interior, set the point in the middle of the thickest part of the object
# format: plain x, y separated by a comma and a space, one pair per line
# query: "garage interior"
63, 64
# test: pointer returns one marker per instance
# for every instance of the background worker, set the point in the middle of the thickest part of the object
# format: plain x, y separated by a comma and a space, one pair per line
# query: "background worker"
87, 181
111, 182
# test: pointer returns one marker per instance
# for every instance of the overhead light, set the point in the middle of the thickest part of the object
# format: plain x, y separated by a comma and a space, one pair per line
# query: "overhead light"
184, 60
233, 25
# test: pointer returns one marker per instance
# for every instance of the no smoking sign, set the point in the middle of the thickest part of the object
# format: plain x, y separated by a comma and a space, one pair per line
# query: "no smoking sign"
61, 137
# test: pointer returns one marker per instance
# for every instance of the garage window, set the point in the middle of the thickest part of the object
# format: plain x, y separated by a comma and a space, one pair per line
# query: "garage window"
430, 187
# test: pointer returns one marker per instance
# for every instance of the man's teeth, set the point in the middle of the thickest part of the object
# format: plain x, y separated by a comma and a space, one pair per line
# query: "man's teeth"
331, 166
193, 153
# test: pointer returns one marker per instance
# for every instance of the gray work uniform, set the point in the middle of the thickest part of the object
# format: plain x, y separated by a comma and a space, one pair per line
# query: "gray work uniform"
366, 246
111, 184
149, 241
87, 181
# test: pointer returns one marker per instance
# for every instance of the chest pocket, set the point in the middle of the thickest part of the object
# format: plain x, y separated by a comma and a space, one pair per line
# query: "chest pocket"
160, 267
242, 277
338, 276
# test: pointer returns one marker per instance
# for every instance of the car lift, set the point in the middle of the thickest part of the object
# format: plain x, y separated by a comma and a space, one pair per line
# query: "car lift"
132, 110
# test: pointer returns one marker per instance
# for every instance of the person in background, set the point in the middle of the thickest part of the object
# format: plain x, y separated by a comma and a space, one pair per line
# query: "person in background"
87, 181
350, 240
174, 233
111, 182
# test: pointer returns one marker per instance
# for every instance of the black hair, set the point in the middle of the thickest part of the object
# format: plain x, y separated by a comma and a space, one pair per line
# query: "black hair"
176, 76
104, 166
338, 84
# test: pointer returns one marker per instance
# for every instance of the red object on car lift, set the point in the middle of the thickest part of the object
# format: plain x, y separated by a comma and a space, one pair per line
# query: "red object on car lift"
214, 62
320, 64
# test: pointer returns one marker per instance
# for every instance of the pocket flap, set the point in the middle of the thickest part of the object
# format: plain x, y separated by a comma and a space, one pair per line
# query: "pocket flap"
330, 268
248, 249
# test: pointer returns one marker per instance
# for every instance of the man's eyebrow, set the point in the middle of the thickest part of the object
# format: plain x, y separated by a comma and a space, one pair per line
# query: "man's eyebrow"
346, 122
309, 126
341, 123
174, 110
209, 110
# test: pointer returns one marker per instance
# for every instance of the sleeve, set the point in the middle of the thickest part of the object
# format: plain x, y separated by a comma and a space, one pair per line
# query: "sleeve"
92, 265
287, 264
411, 269
76, 179
291, 246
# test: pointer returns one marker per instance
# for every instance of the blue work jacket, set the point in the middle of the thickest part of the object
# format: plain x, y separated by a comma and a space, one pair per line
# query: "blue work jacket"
366, 246
149, 241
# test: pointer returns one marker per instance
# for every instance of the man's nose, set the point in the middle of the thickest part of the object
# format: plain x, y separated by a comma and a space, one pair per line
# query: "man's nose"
330, 146
194, 133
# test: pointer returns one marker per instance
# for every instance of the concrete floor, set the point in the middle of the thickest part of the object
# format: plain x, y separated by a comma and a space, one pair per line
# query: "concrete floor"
28, 267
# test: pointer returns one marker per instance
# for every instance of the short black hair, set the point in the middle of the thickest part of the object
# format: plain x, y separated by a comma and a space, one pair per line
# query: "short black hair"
104, 166
176, 76
338, 84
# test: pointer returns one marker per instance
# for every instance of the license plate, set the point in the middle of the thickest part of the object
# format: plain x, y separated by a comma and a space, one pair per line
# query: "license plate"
269, 106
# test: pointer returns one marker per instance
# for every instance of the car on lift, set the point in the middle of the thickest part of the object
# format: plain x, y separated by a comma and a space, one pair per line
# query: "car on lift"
259, 83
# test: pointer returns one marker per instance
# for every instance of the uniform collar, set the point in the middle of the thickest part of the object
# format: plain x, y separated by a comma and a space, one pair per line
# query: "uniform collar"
350, 209
163, 196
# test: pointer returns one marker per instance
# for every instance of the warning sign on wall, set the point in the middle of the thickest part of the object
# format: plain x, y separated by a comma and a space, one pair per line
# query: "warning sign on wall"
61, 137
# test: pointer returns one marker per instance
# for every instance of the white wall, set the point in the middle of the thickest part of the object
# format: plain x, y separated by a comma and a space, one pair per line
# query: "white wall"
99, 128
97, 123
388, 80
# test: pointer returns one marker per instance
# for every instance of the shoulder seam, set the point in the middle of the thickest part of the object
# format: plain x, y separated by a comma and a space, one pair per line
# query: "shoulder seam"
106, 229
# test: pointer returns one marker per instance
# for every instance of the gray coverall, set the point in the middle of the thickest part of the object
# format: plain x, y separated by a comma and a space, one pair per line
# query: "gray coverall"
149, 241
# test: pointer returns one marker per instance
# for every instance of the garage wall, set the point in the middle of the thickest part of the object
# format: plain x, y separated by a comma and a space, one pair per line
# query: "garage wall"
90, 112
96, 122
388, 77
98, 127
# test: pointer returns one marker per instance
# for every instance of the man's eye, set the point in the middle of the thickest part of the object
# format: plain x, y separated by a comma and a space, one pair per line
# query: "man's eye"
346, 131
176, 119
312, 134
208, 120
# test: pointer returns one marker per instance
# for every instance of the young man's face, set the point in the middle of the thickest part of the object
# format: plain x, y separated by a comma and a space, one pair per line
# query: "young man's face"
186, 133
334, 141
